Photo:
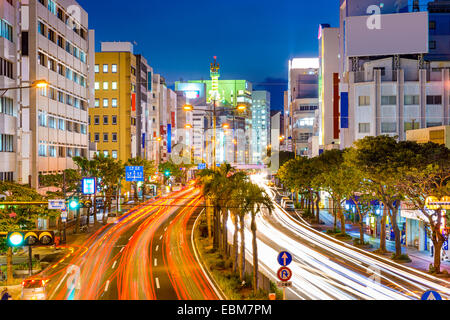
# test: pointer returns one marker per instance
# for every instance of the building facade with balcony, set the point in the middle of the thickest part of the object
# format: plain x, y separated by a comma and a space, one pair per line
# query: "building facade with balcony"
56, 46
301, 104
9, 100
390, 82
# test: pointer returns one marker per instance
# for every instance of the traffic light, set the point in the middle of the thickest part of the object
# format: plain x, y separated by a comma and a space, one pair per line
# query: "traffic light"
30, 238
167, 173
74, 204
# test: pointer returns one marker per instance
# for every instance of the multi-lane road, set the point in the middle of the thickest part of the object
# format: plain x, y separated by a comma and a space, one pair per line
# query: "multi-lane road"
327, 269
148, 254
145, 254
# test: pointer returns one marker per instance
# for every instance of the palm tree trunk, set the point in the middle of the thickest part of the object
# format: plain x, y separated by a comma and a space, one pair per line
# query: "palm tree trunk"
242, 264
235, 243
95, 209
9, 267
225, 232
255, 255
216, 229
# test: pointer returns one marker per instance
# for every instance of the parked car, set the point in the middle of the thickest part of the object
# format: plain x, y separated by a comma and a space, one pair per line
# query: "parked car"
289, 205
283, 200
34, 289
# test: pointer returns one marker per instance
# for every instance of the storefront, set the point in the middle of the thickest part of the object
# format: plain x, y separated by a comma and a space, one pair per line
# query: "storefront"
416, 229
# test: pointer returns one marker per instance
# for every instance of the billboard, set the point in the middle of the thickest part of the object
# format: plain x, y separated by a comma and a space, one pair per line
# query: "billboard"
387, 34
195, 93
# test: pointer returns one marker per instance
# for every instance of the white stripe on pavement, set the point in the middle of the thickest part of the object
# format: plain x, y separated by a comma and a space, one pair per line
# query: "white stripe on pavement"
157, 283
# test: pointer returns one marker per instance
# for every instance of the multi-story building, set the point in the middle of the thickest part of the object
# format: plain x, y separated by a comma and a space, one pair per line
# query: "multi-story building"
198, 121
328, 113
301, 104
113, 116
260, 126
392, 82
233, 143
9, 100
55, 45
165, 102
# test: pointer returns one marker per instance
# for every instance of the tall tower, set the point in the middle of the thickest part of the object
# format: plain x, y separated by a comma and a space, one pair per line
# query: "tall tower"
215, 75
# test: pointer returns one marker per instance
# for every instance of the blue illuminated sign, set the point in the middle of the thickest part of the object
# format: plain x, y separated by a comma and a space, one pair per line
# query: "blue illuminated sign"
169, 138
88, 186
134, 173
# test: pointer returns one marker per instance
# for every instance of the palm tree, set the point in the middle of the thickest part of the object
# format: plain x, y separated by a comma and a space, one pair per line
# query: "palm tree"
254, 201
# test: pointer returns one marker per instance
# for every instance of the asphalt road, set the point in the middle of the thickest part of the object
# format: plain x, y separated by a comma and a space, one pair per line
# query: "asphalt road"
146, 254
327, 269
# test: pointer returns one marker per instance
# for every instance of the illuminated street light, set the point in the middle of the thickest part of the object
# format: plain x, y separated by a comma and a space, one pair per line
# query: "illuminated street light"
188, 107
226, 126
40, 84
188, 126
241, 108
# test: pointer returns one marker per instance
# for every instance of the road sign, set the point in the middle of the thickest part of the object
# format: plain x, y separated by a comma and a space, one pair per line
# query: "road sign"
201, 166
58, 204
88, 186
134, 173
284, 284
431, 295
284, 274
64, 216
284, 258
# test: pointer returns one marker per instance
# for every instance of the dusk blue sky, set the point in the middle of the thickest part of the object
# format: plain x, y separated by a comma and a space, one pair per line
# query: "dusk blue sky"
253, 39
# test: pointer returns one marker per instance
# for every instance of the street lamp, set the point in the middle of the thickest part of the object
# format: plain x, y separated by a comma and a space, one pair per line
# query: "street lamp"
38, 84
188, 126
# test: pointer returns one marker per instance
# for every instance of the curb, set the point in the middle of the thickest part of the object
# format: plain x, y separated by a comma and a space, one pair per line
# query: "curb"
208, 275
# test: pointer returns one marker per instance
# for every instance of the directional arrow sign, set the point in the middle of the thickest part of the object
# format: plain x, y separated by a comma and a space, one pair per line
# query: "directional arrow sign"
284, 274
431, 295
284, 258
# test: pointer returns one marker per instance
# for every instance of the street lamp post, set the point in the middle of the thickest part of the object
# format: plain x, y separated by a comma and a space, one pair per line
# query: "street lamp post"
38, 84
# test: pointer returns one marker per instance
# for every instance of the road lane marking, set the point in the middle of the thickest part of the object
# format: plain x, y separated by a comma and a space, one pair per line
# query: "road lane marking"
157, 247
130, 238
165, 229
157, 283
156, 262
160, 237
114, 264
122, 249
107, 286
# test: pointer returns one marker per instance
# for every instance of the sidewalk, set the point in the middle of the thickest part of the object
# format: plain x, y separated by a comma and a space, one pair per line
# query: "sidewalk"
420, 260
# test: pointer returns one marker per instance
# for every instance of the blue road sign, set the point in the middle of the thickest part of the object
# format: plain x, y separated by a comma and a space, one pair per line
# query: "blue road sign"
284, 258
201, 166
134, 173
445, 245
284, 274
88, 186
431, 295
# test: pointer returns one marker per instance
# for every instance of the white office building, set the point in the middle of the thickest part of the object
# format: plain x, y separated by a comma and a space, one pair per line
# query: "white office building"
260, 139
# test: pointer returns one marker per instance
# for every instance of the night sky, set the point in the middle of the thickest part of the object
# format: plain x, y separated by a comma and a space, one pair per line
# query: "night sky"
253, 39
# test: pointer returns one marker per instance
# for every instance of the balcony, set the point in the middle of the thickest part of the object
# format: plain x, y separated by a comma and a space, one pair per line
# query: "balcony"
386, 75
